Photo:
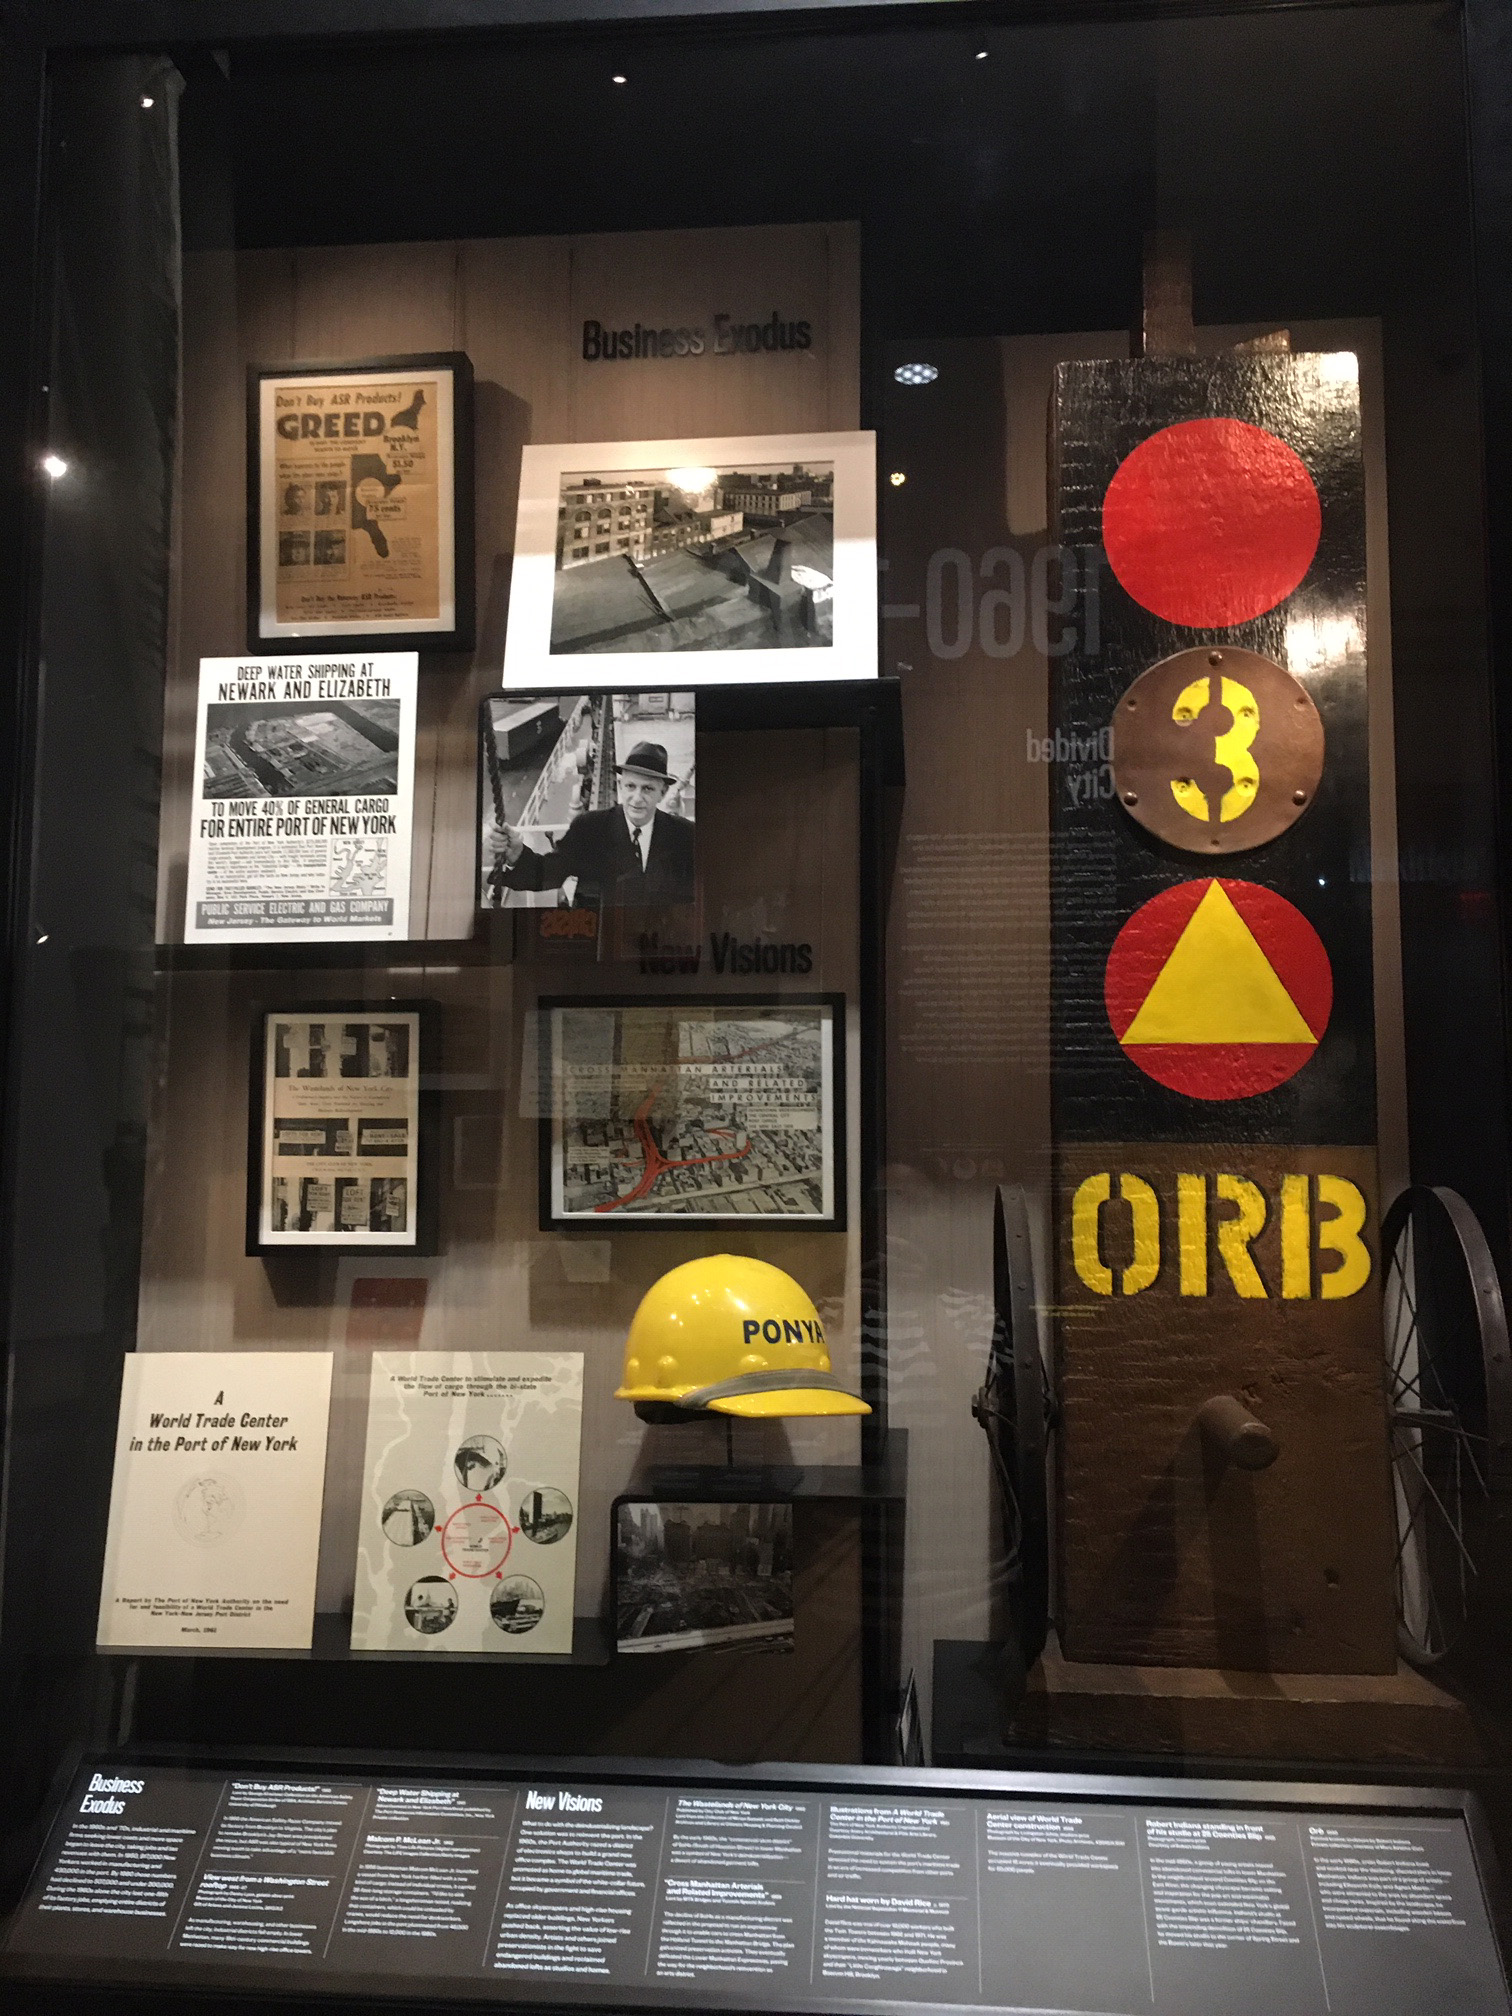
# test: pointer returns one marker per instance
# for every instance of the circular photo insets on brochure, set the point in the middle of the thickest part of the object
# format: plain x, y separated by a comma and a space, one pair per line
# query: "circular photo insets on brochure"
430, 1606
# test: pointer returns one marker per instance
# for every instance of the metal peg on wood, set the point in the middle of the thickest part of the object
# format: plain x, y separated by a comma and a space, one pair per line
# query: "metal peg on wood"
1234, 1435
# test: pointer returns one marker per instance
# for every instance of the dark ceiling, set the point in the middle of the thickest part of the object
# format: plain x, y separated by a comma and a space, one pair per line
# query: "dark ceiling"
1317, 155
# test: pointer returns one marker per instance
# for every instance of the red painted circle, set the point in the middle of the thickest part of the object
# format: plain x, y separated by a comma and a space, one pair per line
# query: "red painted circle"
1211, 522
476, 1540
1217, 1069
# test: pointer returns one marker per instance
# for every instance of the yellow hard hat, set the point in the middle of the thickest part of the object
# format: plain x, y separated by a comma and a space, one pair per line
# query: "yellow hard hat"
730, 1336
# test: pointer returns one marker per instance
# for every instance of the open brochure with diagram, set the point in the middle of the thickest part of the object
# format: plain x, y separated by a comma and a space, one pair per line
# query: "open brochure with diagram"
468, 1534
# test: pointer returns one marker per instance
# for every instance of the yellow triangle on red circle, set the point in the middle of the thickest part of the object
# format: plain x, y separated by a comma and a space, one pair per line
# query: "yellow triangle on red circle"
1217, 986
1218, 989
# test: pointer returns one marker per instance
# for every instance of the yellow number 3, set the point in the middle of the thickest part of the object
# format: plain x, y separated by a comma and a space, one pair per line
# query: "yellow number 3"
1231, 749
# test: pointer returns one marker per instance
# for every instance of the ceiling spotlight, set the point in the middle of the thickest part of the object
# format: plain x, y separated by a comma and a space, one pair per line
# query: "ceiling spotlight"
981, 56
916, 374
616, 79
148, 103
897, 479
55, 466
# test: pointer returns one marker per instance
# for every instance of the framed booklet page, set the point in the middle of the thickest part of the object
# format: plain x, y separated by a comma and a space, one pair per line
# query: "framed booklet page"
340, 1155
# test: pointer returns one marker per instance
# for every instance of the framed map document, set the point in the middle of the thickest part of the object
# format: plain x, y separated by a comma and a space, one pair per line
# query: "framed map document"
360, 504
694, 1111
339, 1150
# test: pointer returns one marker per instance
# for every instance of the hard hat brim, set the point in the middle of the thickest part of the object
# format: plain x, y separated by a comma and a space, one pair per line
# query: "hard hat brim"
777, 1406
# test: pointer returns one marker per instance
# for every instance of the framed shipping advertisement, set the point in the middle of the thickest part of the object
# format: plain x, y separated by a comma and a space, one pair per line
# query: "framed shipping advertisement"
300, 824
341, 1148
693, 1111
743, 558
360, 482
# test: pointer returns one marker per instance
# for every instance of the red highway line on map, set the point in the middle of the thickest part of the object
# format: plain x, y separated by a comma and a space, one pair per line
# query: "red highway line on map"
657, 1163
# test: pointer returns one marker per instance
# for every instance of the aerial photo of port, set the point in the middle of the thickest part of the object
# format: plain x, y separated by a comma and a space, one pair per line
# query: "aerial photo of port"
289, 749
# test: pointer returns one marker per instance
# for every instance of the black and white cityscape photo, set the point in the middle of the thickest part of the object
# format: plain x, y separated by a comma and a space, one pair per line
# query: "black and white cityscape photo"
695, 559
700, 1577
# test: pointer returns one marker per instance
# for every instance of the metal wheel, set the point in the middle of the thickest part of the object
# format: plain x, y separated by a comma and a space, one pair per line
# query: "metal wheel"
1014, 1407
1449, 1390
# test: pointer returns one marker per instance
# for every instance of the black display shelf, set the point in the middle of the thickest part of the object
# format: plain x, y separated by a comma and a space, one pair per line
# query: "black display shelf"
816, 703
331, 1642
407, 955
881, 1482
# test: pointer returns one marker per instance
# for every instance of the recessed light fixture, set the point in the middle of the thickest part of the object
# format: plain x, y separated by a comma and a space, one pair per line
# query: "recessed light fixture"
981, 56
916, 374
148, 103
617, 79
897, 479
55, 466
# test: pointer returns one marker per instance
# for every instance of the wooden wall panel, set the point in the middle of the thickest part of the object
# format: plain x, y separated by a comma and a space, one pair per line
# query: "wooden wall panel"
777, 838
516, 306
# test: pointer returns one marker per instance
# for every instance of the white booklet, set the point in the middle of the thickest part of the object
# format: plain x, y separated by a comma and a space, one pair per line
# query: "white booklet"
215, 1500
468, 1535
304, 781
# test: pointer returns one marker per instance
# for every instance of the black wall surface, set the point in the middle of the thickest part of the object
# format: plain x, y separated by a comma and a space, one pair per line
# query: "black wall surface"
78, 1086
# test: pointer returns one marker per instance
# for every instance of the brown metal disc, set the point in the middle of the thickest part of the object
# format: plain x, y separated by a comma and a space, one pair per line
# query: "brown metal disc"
1216, 750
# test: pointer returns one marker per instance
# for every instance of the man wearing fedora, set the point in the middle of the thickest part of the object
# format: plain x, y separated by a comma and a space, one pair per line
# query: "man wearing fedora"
630, 853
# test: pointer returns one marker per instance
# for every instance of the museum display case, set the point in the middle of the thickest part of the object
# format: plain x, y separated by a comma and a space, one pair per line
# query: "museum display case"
755, 1132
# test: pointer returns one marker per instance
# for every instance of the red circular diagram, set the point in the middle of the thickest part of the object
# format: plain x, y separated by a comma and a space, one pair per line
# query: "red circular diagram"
476, 1540
1218, 990
1211, 522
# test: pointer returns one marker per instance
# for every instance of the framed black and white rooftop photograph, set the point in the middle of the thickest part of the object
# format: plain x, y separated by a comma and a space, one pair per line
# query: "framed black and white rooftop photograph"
748, 558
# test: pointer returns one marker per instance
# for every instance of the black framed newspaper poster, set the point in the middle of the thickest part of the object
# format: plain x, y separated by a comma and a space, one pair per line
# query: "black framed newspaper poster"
341, 1148
693, 1111
360, 486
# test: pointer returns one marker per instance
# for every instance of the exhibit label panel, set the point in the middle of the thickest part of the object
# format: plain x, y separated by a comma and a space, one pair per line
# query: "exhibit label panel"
304, 773
215, 1501
759, 1894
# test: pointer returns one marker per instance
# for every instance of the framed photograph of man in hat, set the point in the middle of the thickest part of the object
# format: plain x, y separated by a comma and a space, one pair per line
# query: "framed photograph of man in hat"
587, 801
752, 558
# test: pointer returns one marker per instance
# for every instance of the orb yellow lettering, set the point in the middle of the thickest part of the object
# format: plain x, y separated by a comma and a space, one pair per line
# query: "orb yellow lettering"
1224, 1214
